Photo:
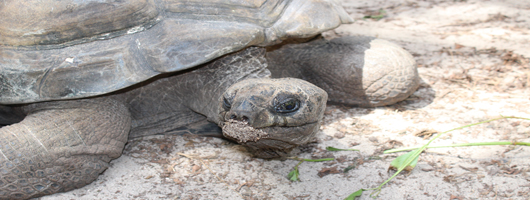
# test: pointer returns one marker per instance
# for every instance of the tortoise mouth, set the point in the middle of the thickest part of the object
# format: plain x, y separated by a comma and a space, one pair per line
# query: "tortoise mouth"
242, 132
269, 142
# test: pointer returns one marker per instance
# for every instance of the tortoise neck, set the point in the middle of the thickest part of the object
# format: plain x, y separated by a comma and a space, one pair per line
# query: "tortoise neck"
203, 87
174, 101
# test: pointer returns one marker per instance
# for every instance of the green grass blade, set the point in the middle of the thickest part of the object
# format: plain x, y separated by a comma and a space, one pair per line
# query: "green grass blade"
461, 145
293, 175
413, 155
318, 160
401, 161
337, 149
355, 194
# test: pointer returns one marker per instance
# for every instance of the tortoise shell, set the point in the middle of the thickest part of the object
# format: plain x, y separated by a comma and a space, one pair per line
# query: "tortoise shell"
54, 50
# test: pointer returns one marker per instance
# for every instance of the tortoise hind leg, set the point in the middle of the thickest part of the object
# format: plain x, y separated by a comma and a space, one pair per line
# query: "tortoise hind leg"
359, 71
60, 146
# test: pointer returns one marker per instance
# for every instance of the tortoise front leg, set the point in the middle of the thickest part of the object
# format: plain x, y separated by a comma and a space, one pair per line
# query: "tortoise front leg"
60, 146
358, 71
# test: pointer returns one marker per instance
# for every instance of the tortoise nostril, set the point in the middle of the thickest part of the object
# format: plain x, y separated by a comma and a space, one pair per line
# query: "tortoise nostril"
239, 117
244, 118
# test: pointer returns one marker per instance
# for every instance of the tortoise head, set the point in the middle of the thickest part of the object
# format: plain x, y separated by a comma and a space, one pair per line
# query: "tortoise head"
271, 116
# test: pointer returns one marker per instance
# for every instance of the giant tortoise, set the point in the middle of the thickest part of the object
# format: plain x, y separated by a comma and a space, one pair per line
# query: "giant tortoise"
80, 77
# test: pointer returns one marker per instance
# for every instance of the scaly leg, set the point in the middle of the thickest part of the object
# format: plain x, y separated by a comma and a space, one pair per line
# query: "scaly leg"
358, 71
60, 146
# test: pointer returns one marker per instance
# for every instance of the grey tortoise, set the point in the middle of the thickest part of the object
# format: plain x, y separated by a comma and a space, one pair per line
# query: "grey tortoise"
80, 77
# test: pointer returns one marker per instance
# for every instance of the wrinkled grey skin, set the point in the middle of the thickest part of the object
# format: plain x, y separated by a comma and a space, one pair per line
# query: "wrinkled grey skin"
356, 71
72, 97
257, 101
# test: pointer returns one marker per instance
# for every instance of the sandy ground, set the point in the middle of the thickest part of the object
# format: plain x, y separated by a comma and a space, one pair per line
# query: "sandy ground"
472, 57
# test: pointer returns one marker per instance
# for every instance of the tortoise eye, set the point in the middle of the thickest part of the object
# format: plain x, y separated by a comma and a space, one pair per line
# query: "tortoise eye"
288, 106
